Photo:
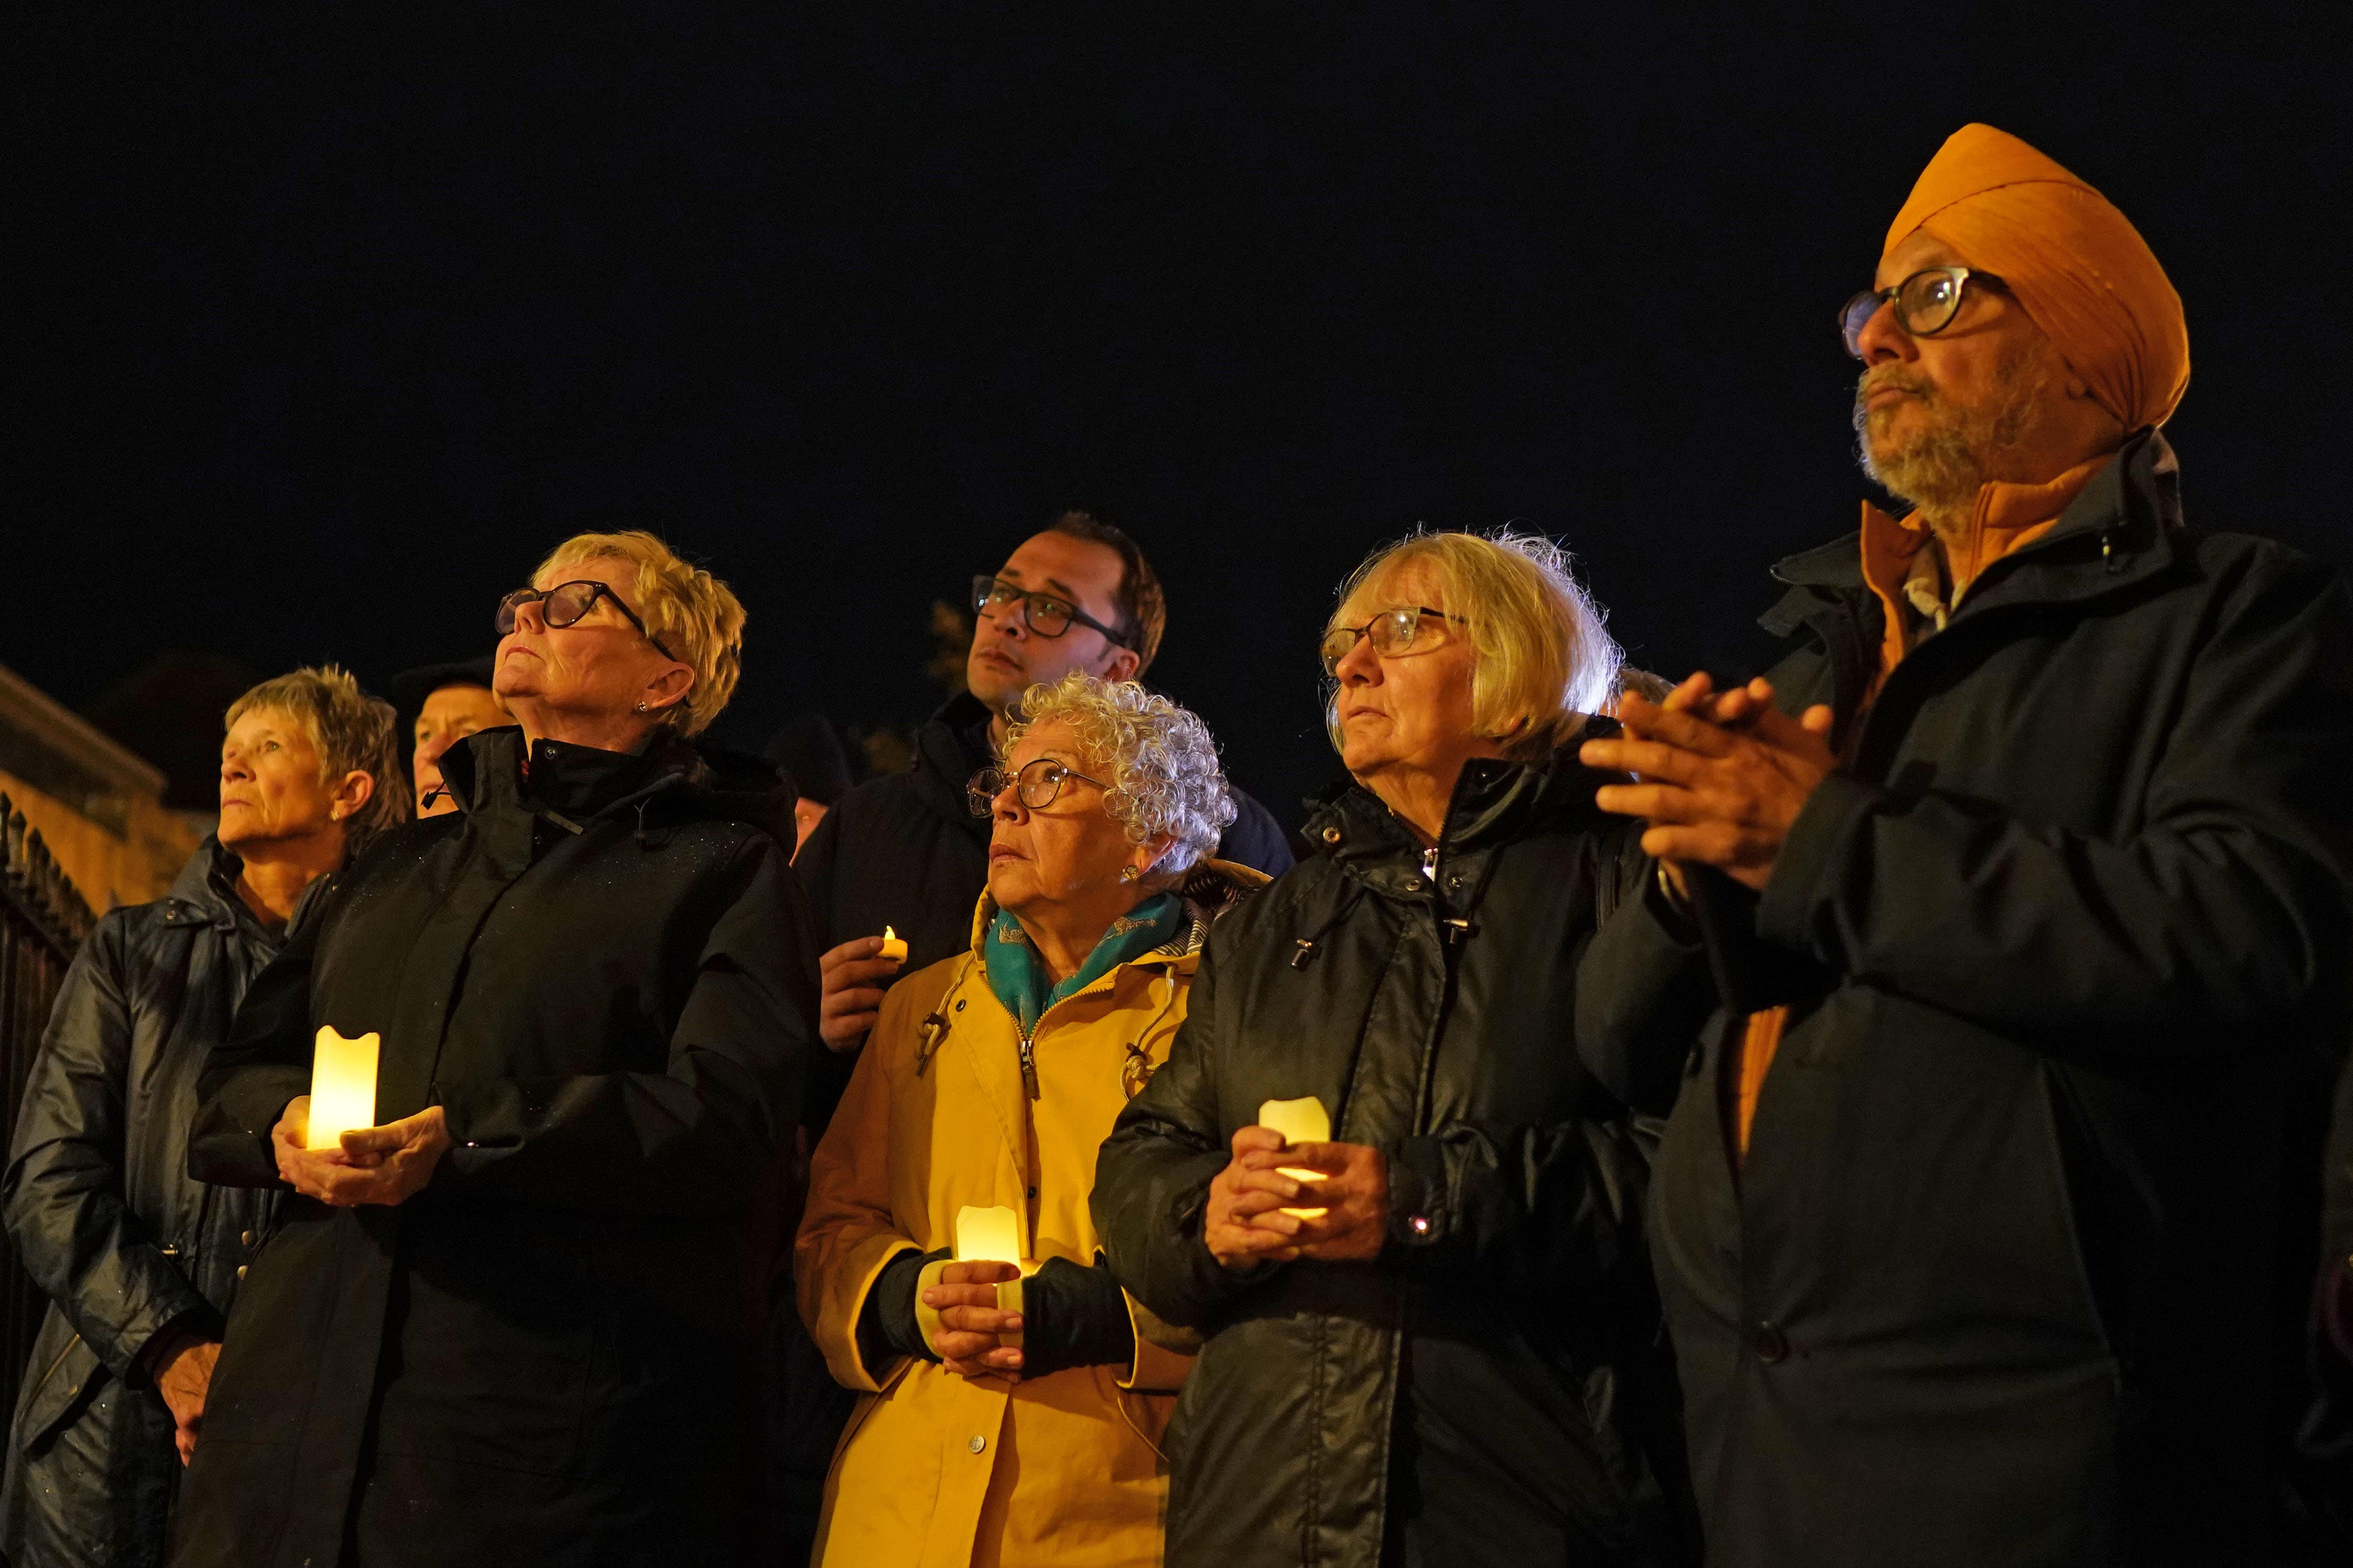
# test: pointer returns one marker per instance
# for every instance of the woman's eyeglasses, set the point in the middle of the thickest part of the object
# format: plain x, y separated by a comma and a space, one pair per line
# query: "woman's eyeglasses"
565, 604
1391, 633
1041, 612
1036, 784
1926, 303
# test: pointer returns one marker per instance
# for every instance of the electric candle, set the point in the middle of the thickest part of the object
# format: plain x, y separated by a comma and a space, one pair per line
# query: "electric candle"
1300, 1121
342, 1087
992, 1235
894, 948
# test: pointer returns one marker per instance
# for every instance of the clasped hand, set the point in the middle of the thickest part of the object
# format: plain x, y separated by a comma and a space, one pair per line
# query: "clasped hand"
1246, 1225
965, 1300
1720, 777
387, 1164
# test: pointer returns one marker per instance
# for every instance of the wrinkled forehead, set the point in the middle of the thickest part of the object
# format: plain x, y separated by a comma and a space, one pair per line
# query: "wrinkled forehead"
1414, 580
274, 723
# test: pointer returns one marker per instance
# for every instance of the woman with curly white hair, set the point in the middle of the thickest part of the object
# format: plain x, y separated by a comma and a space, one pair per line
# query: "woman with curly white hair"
1020, 1425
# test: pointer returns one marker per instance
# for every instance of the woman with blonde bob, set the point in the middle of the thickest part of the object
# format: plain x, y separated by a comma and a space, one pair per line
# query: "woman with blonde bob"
501, 1325
996, 1426
1432, 1335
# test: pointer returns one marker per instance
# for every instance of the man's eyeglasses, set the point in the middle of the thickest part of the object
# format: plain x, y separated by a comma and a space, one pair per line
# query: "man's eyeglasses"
1041, 612
565, 604
1926, 303
1391, 632
1037, 784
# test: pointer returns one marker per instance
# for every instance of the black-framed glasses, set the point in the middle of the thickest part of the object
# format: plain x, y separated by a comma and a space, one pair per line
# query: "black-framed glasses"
566, 603
1391, 632
1037, 783
1044, 614
1926, 303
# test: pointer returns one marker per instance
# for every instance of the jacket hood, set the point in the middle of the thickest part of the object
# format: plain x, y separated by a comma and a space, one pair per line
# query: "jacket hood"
1494, 801
1210, 889
574, 785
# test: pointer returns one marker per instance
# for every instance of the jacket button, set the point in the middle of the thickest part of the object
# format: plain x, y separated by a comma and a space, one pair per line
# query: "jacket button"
977, 1443
1331, 835
246, 1238
240, 1270
1770, 1343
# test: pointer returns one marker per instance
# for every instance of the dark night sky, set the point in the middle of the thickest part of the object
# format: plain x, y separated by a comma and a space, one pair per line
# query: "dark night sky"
323, 335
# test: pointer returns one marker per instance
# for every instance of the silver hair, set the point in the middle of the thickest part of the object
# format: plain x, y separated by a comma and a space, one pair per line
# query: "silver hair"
1157, 757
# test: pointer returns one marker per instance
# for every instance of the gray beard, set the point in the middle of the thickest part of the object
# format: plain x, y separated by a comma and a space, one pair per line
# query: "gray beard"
1939, 471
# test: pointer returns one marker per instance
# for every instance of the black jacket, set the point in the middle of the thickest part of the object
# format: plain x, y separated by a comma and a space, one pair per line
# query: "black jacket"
1494, 1389
1997, 1280
102, 1211
905, 851
608, 985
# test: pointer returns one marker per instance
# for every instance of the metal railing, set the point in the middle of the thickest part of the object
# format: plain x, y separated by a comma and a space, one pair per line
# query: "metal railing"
42, 921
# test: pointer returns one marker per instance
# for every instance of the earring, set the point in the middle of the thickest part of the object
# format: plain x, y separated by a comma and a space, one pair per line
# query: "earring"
1127, 873
641, 707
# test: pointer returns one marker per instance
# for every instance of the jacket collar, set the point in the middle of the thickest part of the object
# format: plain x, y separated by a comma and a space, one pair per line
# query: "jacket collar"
572, 784
1494, 802
2118, 530
204, 892
1208, 891
951, 746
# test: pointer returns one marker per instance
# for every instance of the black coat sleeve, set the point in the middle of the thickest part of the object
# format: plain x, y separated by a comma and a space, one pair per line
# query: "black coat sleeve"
1153, 1176
687, 1140
249, 1077
63, 1192
1643, 994
2226, 910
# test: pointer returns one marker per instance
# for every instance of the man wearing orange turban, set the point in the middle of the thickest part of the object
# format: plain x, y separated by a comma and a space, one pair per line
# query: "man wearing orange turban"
2021, 886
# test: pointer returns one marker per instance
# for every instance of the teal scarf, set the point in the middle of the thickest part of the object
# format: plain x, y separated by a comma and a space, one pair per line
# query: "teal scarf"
1018, 976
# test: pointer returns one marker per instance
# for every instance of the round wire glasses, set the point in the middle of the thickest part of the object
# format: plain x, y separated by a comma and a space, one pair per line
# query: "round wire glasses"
1037, 784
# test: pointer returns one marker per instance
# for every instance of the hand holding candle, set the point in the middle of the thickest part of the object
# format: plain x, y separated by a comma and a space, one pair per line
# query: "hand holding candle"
851, 979
970, 1309
1299, 1121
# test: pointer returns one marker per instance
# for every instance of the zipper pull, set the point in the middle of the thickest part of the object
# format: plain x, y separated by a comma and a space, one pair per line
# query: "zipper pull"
1430, 862
1028, 1068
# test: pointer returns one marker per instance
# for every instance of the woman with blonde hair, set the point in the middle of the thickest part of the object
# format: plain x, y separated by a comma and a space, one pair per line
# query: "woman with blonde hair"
993, 1430
140, 1261
1431, 1334
501, 1325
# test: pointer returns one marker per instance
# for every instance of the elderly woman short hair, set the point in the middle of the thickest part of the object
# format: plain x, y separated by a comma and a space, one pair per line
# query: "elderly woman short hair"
141, 1262
1432, 1334
987, 1083
503, 1322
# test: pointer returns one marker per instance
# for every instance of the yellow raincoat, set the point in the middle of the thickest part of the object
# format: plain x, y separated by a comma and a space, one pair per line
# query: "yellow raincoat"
935, 1469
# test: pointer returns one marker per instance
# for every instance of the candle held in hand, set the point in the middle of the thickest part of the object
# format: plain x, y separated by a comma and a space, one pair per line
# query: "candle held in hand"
992, 1234
1300, 1121
342, 1087
894, 946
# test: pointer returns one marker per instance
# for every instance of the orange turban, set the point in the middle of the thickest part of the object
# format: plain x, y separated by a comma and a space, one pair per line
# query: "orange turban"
2075, 263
